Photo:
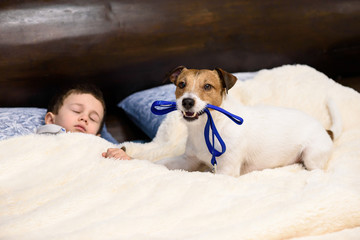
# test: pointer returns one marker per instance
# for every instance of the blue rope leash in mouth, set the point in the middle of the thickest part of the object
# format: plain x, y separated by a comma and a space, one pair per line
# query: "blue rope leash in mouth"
164, 107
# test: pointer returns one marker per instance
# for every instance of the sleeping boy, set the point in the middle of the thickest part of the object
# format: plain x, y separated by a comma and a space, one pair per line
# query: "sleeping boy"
78, 109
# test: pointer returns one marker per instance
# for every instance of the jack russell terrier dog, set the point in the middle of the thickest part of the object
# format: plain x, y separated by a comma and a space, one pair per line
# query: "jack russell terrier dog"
269, 137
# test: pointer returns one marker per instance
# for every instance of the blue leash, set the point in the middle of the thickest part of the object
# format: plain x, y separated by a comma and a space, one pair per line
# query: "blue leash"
164, 107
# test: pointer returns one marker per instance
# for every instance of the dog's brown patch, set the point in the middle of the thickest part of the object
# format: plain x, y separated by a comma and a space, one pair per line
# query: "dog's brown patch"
204, 83
226, 78
331, 134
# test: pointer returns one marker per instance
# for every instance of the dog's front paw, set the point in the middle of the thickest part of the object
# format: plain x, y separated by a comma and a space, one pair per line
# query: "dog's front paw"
227, 170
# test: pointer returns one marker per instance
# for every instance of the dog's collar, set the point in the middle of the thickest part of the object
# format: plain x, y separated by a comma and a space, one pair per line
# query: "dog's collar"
164, 107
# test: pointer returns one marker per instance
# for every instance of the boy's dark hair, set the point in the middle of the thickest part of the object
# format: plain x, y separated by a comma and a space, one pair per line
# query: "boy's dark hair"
83, 88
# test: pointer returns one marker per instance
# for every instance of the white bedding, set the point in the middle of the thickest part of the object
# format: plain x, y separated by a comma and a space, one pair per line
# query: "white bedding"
59, 187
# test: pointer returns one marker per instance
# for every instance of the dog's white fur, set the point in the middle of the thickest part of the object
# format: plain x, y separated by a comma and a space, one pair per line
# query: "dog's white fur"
269, 137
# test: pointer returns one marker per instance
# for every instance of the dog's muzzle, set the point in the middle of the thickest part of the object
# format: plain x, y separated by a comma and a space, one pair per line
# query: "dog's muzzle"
188, 104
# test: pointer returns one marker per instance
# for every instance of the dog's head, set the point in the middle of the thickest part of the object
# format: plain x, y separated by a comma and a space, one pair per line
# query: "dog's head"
197, 88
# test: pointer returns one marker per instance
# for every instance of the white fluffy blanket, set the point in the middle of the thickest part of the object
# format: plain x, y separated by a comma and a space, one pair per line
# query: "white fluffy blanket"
59, 187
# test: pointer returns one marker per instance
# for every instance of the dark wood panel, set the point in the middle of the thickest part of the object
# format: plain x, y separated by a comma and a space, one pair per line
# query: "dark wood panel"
126, 46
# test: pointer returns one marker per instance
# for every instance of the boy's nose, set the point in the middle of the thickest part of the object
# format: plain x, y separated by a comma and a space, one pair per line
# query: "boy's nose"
83, 118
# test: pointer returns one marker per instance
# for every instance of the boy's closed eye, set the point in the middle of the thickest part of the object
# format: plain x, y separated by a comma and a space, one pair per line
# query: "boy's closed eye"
94, 117
76, 108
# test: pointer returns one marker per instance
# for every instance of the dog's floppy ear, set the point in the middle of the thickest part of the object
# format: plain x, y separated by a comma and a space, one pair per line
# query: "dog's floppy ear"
173, 74
228, 79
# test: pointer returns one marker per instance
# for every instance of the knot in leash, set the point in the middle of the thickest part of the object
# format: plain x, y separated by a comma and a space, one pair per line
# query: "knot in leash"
164, 107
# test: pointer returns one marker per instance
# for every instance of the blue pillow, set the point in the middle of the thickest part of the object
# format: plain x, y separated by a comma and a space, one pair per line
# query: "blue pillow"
137, 105
23, 121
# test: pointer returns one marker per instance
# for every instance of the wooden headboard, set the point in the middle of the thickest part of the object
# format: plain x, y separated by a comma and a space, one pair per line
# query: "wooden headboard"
124, 46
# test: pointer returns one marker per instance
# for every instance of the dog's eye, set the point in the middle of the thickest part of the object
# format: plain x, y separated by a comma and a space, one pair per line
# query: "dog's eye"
181, 84
207, 87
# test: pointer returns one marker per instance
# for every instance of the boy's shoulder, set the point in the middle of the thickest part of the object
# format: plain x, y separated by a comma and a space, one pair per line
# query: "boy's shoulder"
50, 129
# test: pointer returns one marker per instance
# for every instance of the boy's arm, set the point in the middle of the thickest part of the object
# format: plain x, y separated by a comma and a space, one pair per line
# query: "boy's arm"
118, 153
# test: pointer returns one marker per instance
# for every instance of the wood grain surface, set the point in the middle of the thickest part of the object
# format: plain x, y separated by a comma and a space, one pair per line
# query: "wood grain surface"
126, 46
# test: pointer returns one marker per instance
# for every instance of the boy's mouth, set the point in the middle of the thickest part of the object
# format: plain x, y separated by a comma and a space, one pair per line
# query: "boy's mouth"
80, 128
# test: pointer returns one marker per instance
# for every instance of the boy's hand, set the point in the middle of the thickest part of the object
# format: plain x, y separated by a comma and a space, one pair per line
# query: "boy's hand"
116, 153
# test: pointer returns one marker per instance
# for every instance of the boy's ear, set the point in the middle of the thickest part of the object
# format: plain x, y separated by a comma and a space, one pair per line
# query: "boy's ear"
49, 118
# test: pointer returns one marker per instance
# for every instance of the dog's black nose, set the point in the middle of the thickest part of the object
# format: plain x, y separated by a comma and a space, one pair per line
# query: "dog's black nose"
188, 103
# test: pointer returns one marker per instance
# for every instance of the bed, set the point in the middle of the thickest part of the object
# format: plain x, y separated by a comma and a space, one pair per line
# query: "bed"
285, 54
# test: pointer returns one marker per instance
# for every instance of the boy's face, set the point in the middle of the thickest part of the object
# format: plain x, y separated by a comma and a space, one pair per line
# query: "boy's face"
79, 113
